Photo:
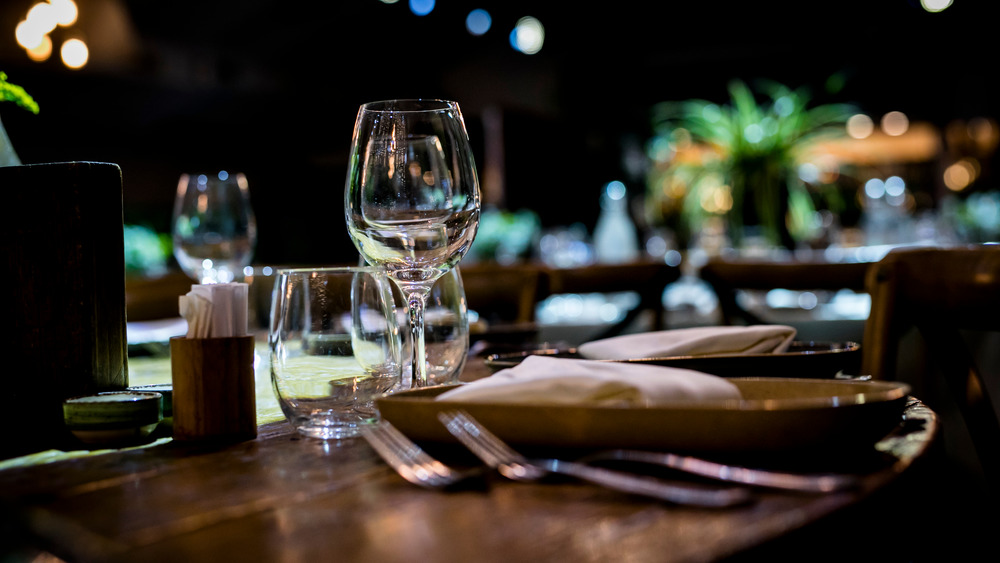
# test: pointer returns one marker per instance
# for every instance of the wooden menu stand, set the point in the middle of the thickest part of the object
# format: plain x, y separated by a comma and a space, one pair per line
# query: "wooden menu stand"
64, 289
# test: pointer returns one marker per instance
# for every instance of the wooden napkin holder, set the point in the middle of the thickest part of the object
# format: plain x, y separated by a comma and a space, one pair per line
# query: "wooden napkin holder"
214, 396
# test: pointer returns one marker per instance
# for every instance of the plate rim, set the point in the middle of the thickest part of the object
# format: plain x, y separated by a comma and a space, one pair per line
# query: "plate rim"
889, 391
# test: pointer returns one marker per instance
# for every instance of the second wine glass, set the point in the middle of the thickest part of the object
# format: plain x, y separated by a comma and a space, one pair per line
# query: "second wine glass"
214, 228
412, 198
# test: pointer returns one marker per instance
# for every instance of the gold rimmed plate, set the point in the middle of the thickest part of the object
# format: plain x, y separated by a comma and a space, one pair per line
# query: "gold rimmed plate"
775, 415
802, 360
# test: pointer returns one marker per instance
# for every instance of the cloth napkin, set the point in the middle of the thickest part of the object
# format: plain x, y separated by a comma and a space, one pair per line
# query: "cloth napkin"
547, 380
697, 341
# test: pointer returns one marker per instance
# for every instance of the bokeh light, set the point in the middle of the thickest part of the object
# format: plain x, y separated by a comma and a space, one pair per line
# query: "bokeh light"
935, 5
895, 123
528, 35
421, 7
961, 174
65, 12
875, 188
42, 51
74, 53
478, 22
860, 126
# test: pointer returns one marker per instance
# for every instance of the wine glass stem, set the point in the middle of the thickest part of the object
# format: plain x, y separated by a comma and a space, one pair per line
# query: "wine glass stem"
415, 305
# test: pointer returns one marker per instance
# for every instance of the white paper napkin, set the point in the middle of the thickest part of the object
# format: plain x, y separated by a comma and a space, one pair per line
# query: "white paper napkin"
215, 310
548, 380
696, 341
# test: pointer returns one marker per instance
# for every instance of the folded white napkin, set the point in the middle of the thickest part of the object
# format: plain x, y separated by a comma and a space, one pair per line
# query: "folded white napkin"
548, 380
697, 341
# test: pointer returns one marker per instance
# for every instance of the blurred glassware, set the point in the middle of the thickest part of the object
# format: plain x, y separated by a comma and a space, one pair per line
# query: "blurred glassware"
334, 347
566, 247
214, 227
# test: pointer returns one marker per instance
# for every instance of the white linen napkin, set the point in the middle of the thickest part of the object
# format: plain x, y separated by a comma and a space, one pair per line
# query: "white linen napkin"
696, 341
548, 380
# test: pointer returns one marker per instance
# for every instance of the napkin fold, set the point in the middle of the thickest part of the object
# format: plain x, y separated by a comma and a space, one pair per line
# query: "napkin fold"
548, 380
215, 310
696, 341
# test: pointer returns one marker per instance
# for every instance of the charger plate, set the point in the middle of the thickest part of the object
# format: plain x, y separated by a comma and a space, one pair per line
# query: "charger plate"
804, 360
775, 415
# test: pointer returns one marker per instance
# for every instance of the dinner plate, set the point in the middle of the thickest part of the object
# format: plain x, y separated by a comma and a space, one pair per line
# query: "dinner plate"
803, 360
775, 415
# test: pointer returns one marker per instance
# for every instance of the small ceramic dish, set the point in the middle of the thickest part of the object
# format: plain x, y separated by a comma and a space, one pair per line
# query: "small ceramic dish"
113, 417
165, 389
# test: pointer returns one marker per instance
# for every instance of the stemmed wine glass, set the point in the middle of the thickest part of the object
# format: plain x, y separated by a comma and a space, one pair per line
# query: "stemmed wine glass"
214, 228
412, 199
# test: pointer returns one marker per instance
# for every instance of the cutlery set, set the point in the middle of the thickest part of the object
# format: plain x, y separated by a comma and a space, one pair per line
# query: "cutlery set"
411, 462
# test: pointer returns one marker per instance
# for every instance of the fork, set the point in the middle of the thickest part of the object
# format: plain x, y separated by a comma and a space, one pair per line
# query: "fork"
412, 463
801, 482
512, 465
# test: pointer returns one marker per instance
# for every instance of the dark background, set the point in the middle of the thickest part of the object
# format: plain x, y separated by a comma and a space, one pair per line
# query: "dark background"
272, 88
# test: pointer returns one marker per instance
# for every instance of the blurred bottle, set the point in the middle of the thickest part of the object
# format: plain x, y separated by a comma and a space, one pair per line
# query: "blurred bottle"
615, 238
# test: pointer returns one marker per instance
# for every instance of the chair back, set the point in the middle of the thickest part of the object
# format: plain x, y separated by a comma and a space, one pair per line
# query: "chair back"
945, 295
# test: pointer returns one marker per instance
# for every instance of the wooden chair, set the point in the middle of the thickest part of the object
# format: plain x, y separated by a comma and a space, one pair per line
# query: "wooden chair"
503, 293
727, 277
649, 278
944, 294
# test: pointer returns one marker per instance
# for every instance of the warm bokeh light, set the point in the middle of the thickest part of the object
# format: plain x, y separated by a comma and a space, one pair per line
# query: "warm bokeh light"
935, 5
528, 35
43, 51
28, 35
74, 53
42, 15
860, 126
895, 123
65, 12
961, 174
478, 22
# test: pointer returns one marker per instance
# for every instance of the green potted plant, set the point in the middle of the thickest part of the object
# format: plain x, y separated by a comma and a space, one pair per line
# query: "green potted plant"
12, 93
739, 161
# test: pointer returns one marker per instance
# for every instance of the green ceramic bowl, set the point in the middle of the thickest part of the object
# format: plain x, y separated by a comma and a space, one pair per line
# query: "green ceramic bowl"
165, 389
113, 417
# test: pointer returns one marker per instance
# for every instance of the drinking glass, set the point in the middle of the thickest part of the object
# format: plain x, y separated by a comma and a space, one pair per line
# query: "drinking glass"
334, 347
214, 228
412, 199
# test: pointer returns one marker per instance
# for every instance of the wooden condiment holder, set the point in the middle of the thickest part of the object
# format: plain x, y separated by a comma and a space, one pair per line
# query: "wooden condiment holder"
214, 396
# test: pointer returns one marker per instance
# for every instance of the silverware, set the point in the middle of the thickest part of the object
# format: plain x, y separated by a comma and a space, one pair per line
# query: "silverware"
509, 463
813, 483
413, 463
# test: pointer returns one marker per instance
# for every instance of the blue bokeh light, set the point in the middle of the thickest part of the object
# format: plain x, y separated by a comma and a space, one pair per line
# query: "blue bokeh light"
478, 21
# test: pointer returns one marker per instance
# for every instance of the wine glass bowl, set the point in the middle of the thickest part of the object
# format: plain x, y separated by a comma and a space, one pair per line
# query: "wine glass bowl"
412, 198
214, 227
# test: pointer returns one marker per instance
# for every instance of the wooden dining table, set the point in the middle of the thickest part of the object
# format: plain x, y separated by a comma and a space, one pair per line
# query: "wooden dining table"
285, 497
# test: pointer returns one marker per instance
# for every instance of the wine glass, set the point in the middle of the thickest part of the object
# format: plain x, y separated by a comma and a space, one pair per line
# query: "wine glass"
214, 228
412, 199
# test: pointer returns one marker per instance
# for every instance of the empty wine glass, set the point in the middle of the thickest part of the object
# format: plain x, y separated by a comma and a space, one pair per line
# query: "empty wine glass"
214, 228
412, 199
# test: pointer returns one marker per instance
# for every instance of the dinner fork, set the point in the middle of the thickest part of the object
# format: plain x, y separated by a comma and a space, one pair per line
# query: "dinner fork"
512, 465
413, 463
801, 482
